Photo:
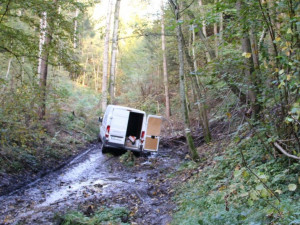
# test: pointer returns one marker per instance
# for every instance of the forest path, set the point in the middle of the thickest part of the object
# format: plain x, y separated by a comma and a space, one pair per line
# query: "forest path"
97, 180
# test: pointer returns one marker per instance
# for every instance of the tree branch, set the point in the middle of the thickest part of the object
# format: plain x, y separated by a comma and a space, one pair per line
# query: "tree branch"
6, 10
285, 152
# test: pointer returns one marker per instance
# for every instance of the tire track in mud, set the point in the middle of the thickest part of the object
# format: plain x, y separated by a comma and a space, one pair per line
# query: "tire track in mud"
95, 179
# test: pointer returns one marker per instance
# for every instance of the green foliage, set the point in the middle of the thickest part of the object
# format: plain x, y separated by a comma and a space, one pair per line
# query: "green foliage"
29, 143
102, 216
128, 159
229, 193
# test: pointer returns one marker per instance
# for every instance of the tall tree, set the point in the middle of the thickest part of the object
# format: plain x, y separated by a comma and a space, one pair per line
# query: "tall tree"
114, 51
165, 70
248, 59
184, 108
105, 57
45, 41
201, 100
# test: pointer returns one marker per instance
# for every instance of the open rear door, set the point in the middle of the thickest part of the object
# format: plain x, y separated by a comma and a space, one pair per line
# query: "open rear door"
152, 133
118, 126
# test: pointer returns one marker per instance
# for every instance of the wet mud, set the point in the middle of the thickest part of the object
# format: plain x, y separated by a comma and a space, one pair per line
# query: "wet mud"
93, 180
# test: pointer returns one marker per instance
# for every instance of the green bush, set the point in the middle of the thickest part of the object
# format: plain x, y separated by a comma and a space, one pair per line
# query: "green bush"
103, 216
229, 193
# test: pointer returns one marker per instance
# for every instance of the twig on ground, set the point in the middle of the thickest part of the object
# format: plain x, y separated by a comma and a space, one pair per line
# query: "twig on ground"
285, 152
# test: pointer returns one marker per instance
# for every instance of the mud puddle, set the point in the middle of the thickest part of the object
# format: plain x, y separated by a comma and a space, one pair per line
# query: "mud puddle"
99, 180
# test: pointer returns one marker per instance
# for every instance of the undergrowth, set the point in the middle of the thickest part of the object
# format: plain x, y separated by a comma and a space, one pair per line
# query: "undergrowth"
115, 216
265, 190
128, 159
32, 144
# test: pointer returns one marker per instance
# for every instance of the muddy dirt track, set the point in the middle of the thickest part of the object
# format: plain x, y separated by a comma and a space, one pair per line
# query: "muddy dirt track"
93, 180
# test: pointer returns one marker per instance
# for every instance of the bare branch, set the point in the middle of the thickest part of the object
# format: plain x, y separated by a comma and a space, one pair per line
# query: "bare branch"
285, 152
6, 10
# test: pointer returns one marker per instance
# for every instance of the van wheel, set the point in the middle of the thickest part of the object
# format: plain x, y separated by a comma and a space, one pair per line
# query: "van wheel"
104, 149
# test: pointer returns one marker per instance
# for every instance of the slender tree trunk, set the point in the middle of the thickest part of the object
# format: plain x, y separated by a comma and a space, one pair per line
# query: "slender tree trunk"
45, 41
97, 78
8, 68
248, 60
216, 36
105, 58
211, 53
114, 51
43, 27
202, 15
84, 72
43, 76
22, 68
203, 33
165, 71
190, 141
254, 48
221, 28
75, 28
216, 40
201, 101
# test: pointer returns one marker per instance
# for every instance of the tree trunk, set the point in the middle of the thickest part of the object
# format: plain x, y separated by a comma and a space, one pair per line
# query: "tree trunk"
221, 28
203, 32
75, 29
189, 138
216, 36
254, 48
84, 72
248, 60
8, 68
45, 40
165, 71
105, 58
114, 51
211, 53
43, 27
216, 40
201, 102
202, 15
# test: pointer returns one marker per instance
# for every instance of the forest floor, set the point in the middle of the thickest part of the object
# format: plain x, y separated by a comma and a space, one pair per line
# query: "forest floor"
92, 181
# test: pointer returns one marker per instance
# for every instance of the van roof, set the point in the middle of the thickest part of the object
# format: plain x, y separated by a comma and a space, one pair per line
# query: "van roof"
126, 108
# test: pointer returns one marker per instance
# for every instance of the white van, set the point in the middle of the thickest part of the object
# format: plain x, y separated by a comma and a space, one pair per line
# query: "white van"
129, 129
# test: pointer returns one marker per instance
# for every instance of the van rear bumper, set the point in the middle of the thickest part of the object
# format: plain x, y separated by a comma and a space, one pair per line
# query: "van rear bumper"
108, 144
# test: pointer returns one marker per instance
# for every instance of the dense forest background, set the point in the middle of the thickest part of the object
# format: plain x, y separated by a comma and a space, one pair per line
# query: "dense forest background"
227, 70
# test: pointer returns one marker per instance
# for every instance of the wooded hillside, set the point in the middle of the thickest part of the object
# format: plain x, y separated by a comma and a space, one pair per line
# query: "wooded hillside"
224, 70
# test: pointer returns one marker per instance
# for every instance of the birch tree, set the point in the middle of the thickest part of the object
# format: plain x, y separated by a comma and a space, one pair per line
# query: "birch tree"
45, 40
114, 51
184, 109
165, 71
105, 57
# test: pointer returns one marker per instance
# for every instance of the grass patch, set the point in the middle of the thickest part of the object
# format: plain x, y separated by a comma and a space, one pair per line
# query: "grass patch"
110, 216
128, 159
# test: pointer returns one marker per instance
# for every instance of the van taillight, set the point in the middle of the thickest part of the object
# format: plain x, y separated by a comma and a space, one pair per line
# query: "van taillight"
142, 136
107, 131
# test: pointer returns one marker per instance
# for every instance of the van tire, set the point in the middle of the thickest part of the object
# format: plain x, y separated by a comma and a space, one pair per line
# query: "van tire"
103, 148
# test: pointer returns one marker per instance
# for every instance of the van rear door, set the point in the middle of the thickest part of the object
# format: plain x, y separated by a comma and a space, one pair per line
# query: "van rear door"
118, 125
152, 133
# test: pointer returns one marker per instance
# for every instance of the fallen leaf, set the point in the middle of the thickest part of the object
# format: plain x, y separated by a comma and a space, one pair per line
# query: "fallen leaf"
292, 187
247, 55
